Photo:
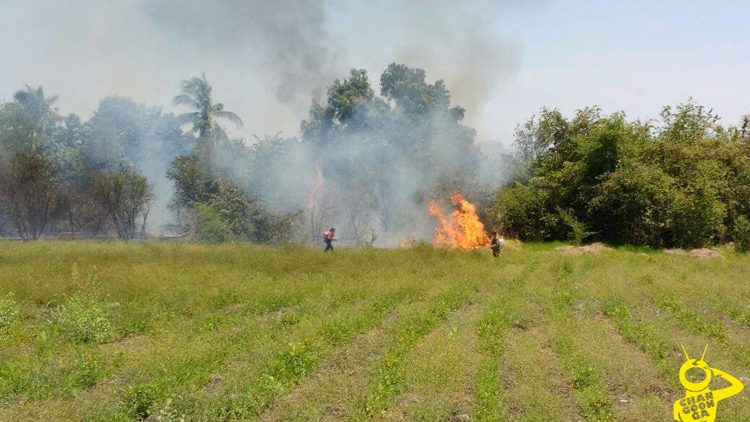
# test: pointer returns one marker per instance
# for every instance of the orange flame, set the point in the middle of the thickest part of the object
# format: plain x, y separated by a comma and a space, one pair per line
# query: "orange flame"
462, 229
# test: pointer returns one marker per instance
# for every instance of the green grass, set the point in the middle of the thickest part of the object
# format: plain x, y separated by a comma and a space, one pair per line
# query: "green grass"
176, 331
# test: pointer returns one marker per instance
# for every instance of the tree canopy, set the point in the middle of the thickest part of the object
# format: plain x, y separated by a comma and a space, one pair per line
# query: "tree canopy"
680, 181
368, 158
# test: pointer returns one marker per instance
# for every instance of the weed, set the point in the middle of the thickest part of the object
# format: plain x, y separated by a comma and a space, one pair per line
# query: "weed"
690, 319
8, 312
297, 361
490, 329
139, 401
83, 320
584, 378
88, 372
170, 410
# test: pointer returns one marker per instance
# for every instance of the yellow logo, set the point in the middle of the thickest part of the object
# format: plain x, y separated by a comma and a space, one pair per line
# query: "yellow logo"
699, 403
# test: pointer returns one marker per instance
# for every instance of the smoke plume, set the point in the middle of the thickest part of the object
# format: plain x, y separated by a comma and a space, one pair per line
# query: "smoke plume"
266, 62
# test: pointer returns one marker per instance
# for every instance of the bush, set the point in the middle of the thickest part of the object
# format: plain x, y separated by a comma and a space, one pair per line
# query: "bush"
742, 234
679, 183
578, 231
126, 196
697, 219
210, 227
520, 211
632, 205
83, 320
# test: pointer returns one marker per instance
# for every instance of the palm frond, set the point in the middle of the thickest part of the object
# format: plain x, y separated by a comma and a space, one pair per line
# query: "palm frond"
228, 116
21, 96
186, 100
188, 117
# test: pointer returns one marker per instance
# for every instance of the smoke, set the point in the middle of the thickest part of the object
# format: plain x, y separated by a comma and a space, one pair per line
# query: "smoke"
283, 43
455, 41
266, 61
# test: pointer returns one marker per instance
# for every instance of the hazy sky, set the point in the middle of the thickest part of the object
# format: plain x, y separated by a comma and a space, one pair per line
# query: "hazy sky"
502, 60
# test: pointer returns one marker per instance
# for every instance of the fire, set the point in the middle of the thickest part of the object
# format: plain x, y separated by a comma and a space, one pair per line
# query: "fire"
462, 229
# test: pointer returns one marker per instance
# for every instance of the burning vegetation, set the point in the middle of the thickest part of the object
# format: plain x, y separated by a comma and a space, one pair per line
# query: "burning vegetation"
461, 229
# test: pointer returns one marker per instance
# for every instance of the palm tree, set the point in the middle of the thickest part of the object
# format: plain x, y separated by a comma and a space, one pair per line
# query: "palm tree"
38, 108
196, 94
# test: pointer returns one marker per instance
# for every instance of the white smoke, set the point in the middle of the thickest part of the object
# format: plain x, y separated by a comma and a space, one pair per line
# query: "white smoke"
265, 60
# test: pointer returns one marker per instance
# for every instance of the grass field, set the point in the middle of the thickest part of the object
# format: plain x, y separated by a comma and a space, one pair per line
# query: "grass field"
116, 331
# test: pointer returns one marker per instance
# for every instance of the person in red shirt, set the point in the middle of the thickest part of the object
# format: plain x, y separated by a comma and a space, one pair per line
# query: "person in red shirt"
329, 239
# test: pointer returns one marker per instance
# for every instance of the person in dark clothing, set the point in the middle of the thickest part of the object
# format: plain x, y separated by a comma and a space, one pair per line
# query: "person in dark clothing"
329, 239
496, 245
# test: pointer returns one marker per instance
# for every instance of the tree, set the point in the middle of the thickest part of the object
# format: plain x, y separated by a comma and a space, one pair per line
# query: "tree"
123, 130
408, 89
125, 196
39, 109
30, 191
196, 94
634, 205
383, 155
678, 182
193, 181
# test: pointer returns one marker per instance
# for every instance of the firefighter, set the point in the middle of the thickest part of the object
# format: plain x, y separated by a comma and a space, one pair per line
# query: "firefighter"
497, 245
329, 239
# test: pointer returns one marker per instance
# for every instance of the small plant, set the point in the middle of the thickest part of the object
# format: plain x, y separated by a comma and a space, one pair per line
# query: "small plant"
88, 372
490, 329
578, 230
139, 400
83, 320
585, 377
597, 406
169, 412
297, 361
8, 312
134, 324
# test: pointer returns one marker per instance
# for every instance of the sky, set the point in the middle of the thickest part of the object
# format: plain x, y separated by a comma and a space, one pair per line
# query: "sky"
503, 60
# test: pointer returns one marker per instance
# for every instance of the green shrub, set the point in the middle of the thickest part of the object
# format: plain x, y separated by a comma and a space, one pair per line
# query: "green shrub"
578, 231
139, 401
632, 205
297, 361
83, 320
742, 234
520, 211
210, 227
697, 216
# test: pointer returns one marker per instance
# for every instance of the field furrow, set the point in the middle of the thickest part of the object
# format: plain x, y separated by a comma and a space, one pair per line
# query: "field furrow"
124, 332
